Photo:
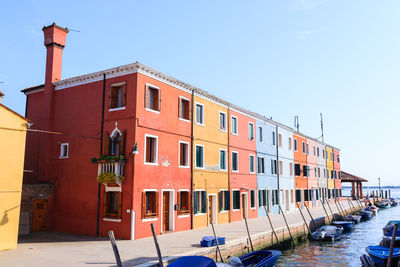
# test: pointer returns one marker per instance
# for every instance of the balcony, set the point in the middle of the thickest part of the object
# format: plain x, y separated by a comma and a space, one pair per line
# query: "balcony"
111, 173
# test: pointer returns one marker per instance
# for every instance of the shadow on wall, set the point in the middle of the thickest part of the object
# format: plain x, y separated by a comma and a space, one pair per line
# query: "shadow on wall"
4, 220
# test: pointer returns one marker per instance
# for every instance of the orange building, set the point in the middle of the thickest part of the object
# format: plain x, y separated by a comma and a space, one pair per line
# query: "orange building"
300, 169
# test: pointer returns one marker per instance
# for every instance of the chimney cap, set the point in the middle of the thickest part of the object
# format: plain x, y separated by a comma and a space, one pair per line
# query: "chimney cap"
55, 26
1, 93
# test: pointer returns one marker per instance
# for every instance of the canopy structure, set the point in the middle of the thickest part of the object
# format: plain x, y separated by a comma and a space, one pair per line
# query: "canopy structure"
356, 183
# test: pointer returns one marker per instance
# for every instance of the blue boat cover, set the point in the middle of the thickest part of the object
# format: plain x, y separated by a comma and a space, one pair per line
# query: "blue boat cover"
193, 261
382, 252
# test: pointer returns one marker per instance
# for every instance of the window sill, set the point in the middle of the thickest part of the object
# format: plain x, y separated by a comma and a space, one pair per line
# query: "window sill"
199, 168
111, 220
235, 134
153, 110
235, 171
63, 157
235, 209
184, 167
184, 216
151, 163
199, 214
223, 211
224, 131
185, 120
115, 109
200, 124
253, 208
149, 219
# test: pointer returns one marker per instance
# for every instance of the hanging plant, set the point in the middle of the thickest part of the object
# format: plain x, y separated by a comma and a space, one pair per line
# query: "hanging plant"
103, 158
107, 178
121, 178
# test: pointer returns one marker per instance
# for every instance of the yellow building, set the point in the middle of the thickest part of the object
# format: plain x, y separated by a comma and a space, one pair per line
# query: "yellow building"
12, 151
329, 167
211, 197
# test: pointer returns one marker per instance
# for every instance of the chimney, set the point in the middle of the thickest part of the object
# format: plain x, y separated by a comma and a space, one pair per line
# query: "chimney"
54, 40
1, 96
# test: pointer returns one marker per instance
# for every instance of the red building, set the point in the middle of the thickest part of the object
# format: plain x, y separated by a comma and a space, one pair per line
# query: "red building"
128, 128
244, 179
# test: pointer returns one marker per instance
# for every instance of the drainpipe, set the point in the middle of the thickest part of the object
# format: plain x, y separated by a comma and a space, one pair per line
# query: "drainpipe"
101, 153
277, 167
192, 162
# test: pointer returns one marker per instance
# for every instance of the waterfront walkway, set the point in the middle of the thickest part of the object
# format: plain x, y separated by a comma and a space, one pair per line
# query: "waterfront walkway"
53, 249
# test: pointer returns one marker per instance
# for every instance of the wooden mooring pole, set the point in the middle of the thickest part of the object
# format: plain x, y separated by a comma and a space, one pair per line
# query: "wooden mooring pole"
327, 215
216, 241
308, 228
115, 248
290, 233
157, 246
333, 216
341, 207
389, 262
340, 213
312, 219
248, 233
272, 227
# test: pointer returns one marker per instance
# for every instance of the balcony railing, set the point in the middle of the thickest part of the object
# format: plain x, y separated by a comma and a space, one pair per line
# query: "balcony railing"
116, 167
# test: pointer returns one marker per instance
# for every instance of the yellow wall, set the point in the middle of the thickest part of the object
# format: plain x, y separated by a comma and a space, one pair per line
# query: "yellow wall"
12, 150
210, 178
329, 167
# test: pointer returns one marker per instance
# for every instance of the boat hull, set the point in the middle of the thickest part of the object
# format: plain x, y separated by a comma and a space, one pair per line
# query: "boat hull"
380, 255
347, 225
261, 258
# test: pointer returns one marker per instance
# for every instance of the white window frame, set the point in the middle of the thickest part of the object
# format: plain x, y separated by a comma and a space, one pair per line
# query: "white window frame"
200, 104
290, 143
255, 199
261, 137
195, 157
263, 164
187, 99
184, 215
303, 147
295, 144
276, 165
159, 95
237, 125
291, 172
280, 142
145, 150
223, 200
62, 150
237, 161
219, 119
187, 154
201, 213
251, 137
154, 218
280, 167
226, 159
254, 163
237, 190
273, 138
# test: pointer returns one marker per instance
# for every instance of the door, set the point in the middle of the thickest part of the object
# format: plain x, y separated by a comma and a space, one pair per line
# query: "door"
210, 210
244, 206
165, 211
287, 199
39, 215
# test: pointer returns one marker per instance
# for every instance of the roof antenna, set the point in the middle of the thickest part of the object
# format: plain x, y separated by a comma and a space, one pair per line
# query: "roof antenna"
322, 128
296, 122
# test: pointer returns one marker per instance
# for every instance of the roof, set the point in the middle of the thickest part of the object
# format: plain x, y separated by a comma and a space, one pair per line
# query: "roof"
347, 177
15, 113
29, 89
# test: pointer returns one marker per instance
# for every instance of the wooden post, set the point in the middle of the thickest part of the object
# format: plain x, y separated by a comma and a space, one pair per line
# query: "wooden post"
157, 246
341, 207
389, 194
340, 213
308, 228
389, 262
327, 215
312, 219
272, 227
290, 233
248, 233
327, 201
216, 240
115, 248
352, 204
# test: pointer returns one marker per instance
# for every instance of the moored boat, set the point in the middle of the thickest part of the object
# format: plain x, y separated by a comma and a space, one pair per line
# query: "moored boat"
383, 204
347, 225
380, 255
327, 233
390, 225
261, 258
353, 218
365, 214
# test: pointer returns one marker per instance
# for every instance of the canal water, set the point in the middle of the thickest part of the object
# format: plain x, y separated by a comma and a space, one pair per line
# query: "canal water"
343, 252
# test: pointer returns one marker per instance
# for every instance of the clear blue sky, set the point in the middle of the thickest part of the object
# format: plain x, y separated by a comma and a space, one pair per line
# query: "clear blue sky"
277, 58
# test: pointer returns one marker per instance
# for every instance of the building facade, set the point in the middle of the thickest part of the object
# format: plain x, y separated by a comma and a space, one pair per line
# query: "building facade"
300, 169
312, 173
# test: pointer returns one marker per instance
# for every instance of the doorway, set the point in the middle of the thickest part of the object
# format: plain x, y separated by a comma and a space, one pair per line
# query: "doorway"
167, 215
39, 215
287, 200
244, 205
212, 209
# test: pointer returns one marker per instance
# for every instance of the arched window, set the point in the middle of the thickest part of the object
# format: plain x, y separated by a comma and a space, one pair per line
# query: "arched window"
115, 143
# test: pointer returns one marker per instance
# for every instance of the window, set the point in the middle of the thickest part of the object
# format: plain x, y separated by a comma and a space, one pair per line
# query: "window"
252, 198
112, 207
338, 160
260, 134
224, 200
199, 113
222, 121
319, 172
64, 149
323, 153
290, 143
262, 198
183, 154
222, 160
234, 125
304, 147
291, 196
236, 199
291, 168
273, 138
280, 140
153, 100
184, 203
333, 158
298, 195
199, 156
200, 204
117, 96
329, 193
280, 167
184, 108
338, 174
149, 204
306, 195
115, 144
314, 151
275, 200
151, 149
297, 169
273, 166
251, 131
260, 165
308, 149
251, 163
305, 169
330, 156
235, 163
317, 151
324, 174
295, 144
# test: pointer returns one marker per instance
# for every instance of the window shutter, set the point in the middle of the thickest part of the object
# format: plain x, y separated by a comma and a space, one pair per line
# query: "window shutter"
159, 99
109, 97
157, 200
178, 200
106, 143
204, 201
259, 198
228, 200
179, 107
220, 200
104, 204
143, 204
119, 204
196, 200
146, 96
123, 141
123, 93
